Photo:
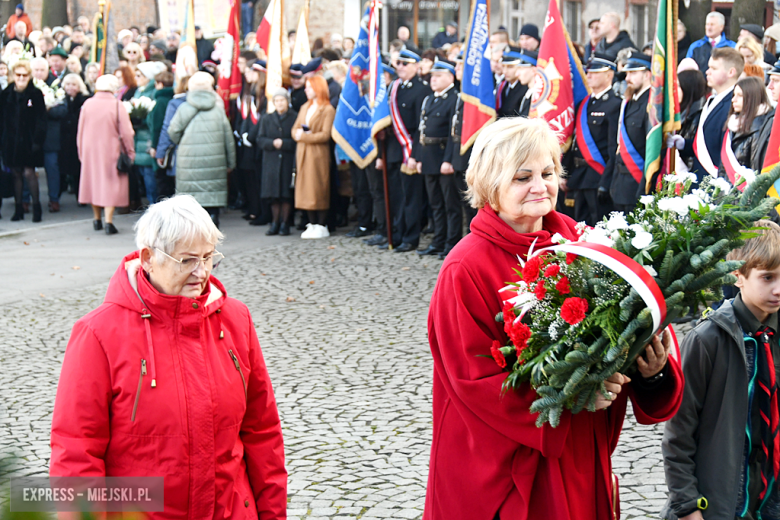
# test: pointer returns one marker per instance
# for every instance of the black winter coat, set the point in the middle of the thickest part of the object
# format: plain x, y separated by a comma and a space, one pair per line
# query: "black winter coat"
750, 147
22, 127
278, 164
69, 127
622, 41
54, 117
689, 126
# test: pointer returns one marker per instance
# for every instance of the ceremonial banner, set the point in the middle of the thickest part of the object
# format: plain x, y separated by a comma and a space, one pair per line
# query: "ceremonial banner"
229, 84
560, 84
187, 56
479, 104
211, 15
772, 157
663, 106
277, 54
358, 119
264, 29
99, 40
302, 51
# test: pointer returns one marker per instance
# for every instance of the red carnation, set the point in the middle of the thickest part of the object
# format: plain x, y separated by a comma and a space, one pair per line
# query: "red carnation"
498, 356
540, 291
509, 313
552, 270
563, 286
519, 334
573, 310
531, 269
570, 257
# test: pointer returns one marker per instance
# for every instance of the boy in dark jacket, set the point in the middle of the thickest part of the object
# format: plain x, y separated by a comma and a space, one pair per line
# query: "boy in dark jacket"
722, 451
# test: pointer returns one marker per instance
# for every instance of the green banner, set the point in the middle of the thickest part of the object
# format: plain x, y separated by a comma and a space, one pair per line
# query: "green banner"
663, 106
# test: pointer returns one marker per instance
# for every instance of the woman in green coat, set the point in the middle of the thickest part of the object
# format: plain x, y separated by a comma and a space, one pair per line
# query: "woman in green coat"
206, 149
144, 162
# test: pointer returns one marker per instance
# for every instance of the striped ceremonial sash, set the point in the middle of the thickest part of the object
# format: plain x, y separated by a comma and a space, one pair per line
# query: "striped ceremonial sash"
585, 142
700, 146
499, 91
770, 417
729, 162
253, 112
631, 157
401, 133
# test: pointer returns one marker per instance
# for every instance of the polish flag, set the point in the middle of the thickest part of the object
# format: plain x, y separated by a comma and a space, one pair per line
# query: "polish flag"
264, 29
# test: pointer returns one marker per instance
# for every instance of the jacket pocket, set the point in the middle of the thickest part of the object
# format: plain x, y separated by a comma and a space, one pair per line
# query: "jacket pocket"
240, 372
138, 392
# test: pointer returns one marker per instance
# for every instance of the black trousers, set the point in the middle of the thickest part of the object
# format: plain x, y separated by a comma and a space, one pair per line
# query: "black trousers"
376, 185
625, 208
468, 212
166, 185
362, 192
408, 219
444, 199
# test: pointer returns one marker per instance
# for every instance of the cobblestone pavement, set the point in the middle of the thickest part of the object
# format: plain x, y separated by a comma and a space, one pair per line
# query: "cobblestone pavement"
343, 329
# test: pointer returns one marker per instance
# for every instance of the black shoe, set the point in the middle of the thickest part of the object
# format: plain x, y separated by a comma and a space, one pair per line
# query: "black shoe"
386, 246
258, 221
405, 248
358, 232
110, 229
375, 240
37, 212
18, 213
247, 216
301, 226
273, 230
430, 251
428, 230
284, 229
97, 225
442, 256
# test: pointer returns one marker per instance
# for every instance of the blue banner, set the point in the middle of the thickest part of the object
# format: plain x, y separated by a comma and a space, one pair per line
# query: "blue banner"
479, 102
357, 121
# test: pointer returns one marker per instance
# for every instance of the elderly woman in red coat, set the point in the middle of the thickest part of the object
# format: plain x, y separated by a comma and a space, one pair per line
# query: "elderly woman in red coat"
488, 459
166, 378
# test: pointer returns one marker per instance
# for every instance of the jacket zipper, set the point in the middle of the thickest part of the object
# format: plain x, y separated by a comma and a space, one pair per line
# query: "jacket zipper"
241, 372
138, 393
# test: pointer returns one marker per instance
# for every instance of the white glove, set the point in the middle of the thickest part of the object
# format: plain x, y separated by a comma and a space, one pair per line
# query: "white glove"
675, 141
245, 140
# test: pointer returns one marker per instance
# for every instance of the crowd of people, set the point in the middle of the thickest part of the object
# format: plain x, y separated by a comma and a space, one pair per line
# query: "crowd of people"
281, 167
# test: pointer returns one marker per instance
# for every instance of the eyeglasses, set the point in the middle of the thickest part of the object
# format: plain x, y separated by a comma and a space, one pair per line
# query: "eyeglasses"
400, 64
190, 264
20, 75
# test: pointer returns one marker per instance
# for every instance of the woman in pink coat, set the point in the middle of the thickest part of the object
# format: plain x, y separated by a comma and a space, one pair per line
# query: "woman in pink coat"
104, 127
166, 379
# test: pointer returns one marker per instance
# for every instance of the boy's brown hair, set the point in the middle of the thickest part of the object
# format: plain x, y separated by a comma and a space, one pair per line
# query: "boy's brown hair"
761, 252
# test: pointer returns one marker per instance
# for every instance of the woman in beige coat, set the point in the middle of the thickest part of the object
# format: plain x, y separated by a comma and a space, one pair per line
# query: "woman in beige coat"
312, 133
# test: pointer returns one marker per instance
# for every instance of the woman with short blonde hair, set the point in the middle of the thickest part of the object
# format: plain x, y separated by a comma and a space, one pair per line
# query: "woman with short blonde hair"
751, 51
488, 457
73, 65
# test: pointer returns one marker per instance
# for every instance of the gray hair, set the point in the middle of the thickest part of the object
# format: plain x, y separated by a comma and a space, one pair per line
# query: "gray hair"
715, 15
178, 220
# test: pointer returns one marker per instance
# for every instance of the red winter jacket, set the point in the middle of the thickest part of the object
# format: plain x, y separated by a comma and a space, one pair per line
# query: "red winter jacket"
150, 387
487, 454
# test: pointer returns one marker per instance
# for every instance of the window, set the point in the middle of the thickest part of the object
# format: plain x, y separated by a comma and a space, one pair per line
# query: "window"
639, 24
572, 17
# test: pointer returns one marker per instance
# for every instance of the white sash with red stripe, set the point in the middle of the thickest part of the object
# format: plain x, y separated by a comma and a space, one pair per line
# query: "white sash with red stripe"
734, 170
700, 146
253, 112
401, 133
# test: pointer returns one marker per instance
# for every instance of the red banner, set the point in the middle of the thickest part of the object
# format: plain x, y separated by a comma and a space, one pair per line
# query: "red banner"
229, 84
560, 82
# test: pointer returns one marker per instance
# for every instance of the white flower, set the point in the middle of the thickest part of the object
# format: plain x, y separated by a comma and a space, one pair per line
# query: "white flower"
680, 177
748, 174
703, 195
693, 201
675, 204
636, 228
646, 199
616, 221
598, 236
557, 238
721, 184
650, 270
128, 106
642, 239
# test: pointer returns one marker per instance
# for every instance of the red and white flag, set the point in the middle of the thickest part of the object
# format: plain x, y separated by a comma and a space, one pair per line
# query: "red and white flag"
264, 29
229, 83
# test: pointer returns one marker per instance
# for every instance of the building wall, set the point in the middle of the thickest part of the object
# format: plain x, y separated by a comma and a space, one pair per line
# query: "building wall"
126, 12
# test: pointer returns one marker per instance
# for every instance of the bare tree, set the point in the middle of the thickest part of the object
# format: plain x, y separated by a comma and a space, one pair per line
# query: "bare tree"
746, 11
693, 16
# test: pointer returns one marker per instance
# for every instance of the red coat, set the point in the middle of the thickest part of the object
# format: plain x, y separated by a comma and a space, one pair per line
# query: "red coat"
487, 454
219, 449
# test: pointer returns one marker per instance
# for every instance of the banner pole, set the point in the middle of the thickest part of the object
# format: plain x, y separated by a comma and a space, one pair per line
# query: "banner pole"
389, 221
